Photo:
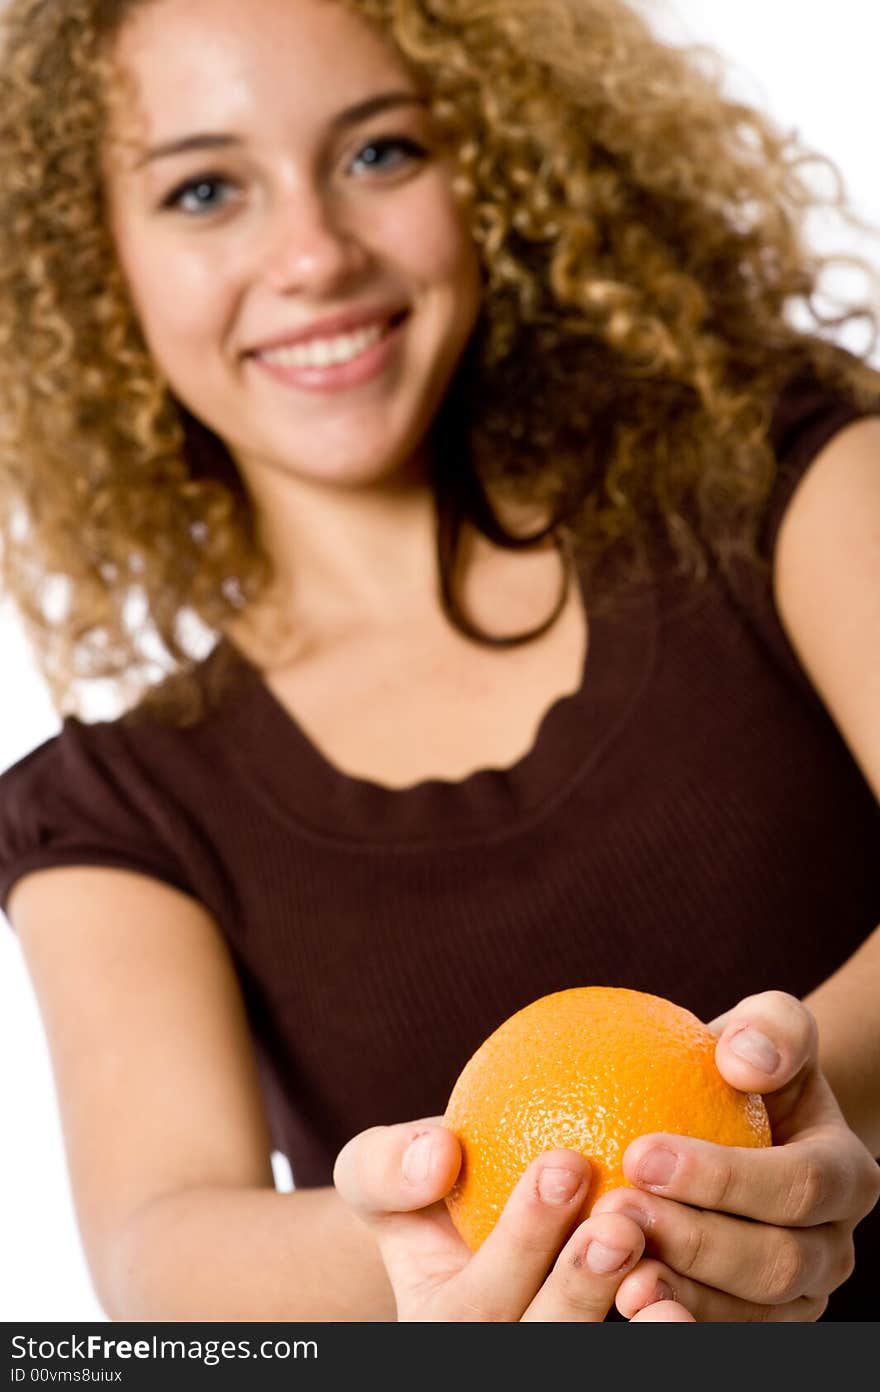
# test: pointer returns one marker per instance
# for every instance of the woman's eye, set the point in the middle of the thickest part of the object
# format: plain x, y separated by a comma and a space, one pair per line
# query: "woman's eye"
209, 193
200, 195
390, 154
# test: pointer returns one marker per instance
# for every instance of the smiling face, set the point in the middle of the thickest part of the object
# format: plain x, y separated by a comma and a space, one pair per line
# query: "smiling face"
277, 176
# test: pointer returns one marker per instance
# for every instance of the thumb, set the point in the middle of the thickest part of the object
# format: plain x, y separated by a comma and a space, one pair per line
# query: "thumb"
394, 1178
397, 1169
768, 1043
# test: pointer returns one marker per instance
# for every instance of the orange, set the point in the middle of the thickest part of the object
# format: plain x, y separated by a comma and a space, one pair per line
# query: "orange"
589, 1069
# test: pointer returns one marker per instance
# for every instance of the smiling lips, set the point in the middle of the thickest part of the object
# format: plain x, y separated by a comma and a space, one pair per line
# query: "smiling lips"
324, 352
334, 362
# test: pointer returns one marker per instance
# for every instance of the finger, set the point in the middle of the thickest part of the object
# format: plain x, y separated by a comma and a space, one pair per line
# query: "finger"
820, 1179
752, 1261
394, 1178
652, 1282
667, 1311
768, 1043
585, 1278
504, 1274
765, 1037
397, 1169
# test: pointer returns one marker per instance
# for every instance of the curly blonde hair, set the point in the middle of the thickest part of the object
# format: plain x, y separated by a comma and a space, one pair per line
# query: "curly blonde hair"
642, 240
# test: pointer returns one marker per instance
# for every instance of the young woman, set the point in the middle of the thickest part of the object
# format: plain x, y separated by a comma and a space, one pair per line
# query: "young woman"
437, 357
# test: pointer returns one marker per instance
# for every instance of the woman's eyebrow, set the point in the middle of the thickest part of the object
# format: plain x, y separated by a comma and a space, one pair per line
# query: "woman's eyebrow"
218, 140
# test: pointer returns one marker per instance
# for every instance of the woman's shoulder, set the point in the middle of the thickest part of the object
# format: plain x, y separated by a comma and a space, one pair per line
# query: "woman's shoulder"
826, 578
809, 412
79, 798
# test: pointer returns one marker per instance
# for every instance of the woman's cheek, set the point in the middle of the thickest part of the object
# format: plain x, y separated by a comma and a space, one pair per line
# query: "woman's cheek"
184, 303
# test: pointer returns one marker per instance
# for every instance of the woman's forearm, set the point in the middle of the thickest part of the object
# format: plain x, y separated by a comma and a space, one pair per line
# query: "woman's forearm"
246, 1254
847, 1008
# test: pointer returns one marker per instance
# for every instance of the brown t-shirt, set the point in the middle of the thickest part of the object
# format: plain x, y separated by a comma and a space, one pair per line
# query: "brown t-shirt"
689, 822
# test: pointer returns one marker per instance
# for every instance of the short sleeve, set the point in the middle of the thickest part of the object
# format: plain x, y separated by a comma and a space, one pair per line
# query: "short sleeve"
65, 803
806, 419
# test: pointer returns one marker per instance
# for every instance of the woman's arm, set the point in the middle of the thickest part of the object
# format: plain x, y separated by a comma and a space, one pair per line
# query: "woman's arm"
847, 1010
167, 1143
827, 594
247, 1254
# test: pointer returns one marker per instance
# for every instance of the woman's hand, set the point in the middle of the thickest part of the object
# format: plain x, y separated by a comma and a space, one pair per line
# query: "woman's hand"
804, 1196
394, 1179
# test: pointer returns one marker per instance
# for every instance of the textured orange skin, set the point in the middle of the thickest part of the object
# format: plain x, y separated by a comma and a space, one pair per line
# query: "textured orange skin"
589, 1069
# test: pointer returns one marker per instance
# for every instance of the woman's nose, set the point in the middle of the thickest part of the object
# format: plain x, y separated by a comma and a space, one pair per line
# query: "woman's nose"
312, 245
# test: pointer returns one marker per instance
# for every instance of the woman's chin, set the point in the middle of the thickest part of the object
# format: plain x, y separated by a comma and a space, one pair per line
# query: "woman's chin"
357, 467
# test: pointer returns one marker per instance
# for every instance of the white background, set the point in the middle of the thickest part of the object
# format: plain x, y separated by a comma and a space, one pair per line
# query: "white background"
813, 65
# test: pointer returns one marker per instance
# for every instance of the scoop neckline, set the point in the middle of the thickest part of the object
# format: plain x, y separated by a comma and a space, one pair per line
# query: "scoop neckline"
301, 784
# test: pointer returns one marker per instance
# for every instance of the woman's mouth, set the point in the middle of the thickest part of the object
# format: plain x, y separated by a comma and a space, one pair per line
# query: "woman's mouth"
331, 364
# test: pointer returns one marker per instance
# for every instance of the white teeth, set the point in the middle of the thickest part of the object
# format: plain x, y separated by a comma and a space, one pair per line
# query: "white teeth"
326, 352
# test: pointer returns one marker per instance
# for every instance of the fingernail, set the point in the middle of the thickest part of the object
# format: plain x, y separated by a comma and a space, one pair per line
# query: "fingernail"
638, 1215
557, 1185
658, 1167
756, 1049
418, 1157
603, 1260
662, 1291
